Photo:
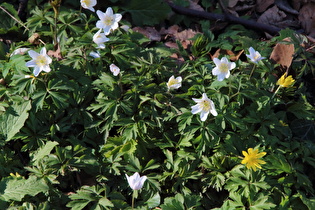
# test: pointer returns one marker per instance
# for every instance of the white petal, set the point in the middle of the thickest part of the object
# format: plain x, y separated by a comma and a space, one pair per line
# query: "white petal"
43, 51
224, 60
100, 14
95, 54
48, 59
232, 66
216, 71
203, 116
204, 97
196, 109
118, 17
109, 11
33, 54
217, 61
46, 68
227, 74
30, 63
251, 51
36, 71
221, 77
213, 112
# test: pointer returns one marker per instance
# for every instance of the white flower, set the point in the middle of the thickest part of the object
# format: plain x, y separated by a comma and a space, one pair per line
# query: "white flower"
204, 106
223, 67
20, 51
95, 54
40, 61
108, 20
254, 56
114, 69
88, 4
100, 38
135, 181
125, 27
174, 83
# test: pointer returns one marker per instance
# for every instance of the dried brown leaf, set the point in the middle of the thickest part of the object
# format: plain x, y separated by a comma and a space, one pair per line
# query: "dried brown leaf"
283, 54
262, 5
231, 54
34, 39
195, 6
150, 32
272, 16
56, 54
307, 18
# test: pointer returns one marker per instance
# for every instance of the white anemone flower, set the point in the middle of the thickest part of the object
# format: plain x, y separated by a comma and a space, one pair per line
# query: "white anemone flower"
114, 69
135, 181
254, 56
174, 83
99, 38
20, 51
223, 67
95, 54
88, 4
108, 20
40, 61
204, 106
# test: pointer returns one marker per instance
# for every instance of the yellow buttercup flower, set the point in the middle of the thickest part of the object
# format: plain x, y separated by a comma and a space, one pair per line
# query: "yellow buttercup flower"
252, 158
285, 81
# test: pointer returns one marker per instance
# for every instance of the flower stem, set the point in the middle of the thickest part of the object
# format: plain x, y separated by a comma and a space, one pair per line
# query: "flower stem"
276, 92
133, 199
251, 73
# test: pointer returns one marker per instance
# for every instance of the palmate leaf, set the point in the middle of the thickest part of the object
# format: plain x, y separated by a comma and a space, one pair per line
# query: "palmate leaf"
16, 189
13, 119
43, 151
148, 12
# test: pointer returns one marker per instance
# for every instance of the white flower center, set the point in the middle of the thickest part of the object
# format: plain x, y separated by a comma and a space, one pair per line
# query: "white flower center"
40, 60
224, 67
205, 105
108, 20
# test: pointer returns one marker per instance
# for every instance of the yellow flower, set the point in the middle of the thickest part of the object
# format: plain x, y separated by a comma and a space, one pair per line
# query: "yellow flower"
285, 81
251, 159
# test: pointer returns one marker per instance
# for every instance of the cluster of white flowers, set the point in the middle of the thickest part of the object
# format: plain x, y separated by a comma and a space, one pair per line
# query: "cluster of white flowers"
107, 22
222, 70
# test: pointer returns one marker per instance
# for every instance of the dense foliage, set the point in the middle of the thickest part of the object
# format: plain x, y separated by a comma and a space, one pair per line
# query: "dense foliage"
69, 136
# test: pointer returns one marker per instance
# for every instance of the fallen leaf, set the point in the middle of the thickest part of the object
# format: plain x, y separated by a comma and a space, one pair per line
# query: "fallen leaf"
283, 53
150, 32
297, 4
232, 3
262, 5
195, 6
56, 54
307, 18
34, 39
272, 16
231, 54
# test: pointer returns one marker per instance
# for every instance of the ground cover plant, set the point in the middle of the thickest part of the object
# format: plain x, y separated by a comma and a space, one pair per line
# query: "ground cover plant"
95, 115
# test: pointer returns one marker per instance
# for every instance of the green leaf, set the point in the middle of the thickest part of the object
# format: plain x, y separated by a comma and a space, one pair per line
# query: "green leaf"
43, 151
154, 201
261, 203
16, 189
13, 119
7, 23
148, 12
